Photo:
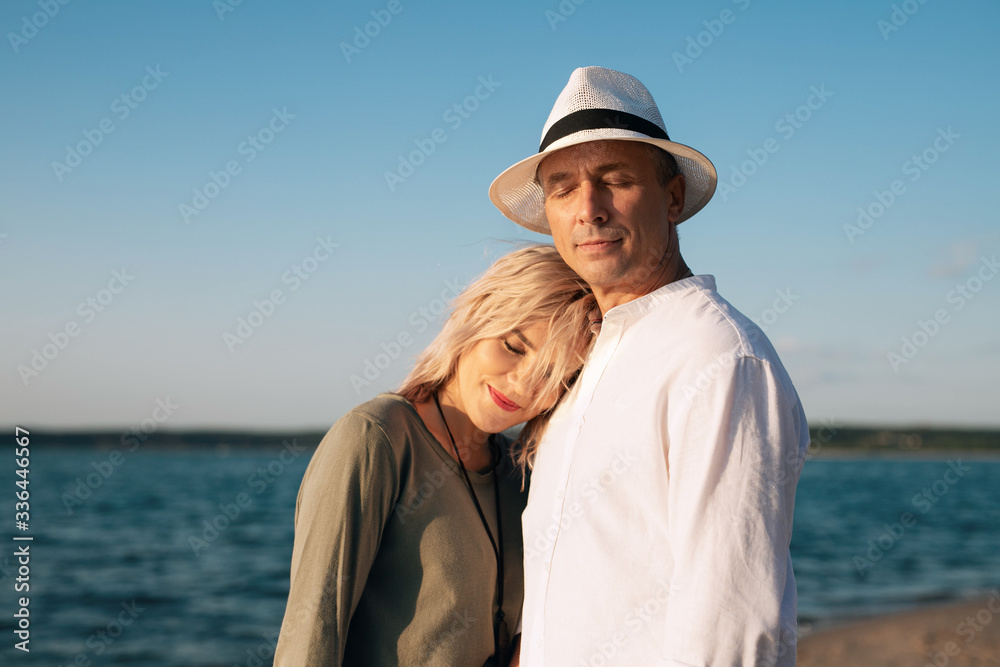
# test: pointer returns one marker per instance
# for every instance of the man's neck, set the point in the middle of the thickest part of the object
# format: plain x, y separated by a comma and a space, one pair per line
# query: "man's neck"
674, 269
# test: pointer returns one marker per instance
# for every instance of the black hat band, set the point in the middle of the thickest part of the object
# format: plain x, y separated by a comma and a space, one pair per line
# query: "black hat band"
595, 119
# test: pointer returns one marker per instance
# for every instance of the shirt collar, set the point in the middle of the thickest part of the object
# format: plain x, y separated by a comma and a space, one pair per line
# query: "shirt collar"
635, 309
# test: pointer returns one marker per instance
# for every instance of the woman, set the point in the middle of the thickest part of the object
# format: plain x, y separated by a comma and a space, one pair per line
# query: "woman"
407, 526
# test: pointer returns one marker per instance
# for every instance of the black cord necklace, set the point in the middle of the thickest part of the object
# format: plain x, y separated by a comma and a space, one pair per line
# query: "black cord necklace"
501, 638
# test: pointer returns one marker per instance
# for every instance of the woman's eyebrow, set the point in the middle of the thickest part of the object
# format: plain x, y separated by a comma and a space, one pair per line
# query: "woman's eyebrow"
517, 332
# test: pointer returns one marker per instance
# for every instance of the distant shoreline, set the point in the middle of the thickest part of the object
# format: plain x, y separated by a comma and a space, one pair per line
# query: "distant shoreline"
236, 445
826, 442
847, 453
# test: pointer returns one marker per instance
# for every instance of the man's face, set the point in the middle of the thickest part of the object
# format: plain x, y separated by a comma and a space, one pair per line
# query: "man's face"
611, 220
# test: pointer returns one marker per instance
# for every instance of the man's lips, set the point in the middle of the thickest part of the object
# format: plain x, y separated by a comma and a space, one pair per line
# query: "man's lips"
504, 402
596, 245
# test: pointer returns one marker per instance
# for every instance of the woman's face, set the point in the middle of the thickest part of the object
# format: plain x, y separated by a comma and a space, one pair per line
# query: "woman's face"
489, 385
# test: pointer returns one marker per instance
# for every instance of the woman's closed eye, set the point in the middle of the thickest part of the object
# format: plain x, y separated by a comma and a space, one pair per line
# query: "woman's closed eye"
510, 348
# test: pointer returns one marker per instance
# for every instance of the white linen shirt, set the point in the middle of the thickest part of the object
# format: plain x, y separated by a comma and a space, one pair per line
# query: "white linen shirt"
660, 510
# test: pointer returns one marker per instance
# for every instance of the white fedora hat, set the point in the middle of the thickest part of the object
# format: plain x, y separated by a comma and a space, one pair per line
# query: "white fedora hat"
595, 105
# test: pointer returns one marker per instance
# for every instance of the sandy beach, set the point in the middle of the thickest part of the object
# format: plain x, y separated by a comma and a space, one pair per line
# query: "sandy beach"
957, 635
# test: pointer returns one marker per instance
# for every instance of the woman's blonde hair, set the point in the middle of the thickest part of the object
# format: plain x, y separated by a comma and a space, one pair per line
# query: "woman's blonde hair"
529, 286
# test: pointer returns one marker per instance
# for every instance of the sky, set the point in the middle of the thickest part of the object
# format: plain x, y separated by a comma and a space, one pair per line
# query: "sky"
236, 214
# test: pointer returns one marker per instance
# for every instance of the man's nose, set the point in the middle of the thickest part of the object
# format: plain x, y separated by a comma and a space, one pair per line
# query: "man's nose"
591, 205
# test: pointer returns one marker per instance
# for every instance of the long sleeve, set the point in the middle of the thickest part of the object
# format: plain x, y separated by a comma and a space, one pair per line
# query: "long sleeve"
346, 498
734, 457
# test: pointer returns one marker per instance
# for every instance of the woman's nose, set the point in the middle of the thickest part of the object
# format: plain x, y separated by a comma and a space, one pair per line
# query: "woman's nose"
516, 377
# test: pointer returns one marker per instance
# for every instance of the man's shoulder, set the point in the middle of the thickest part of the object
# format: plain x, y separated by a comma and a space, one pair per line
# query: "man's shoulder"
702, 338
705, 324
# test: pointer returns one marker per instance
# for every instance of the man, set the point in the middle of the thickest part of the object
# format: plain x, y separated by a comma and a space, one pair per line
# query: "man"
660, 511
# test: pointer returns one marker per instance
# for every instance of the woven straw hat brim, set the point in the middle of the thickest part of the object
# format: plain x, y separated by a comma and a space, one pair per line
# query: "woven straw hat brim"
519, 196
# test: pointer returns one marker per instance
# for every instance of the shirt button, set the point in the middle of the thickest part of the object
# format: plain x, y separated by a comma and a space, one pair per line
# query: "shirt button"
546, 566
560, 494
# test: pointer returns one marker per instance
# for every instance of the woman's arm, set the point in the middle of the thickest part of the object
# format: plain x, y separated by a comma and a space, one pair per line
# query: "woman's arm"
346, 498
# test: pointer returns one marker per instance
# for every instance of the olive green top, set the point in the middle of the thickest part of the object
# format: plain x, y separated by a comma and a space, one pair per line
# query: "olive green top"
391, 564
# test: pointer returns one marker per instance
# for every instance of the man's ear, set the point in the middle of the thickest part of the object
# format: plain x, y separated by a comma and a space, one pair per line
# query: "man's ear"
675, 187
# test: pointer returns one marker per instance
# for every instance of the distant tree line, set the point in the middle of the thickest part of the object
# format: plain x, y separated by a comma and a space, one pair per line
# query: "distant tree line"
839, 437
920, 439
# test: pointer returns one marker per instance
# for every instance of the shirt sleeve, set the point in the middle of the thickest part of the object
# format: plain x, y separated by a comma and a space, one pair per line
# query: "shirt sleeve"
346, 497
734, 457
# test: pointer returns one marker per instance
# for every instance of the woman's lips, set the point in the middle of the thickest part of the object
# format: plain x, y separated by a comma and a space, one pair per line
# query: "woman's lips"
504, 402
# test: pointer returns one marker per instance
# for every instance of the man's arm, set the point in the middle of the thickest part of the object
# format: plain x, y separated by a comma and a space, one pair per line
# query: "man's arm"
346, 498
734, 456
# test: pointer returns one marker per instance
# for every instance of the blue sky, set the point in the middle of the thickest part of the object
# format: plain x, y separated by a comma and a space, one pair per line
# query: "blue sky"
206, 90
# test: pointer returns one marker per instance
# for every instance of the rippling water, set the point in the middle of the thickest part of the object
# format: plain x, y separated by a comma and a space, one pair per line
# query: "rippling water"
950, 550
115, 579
